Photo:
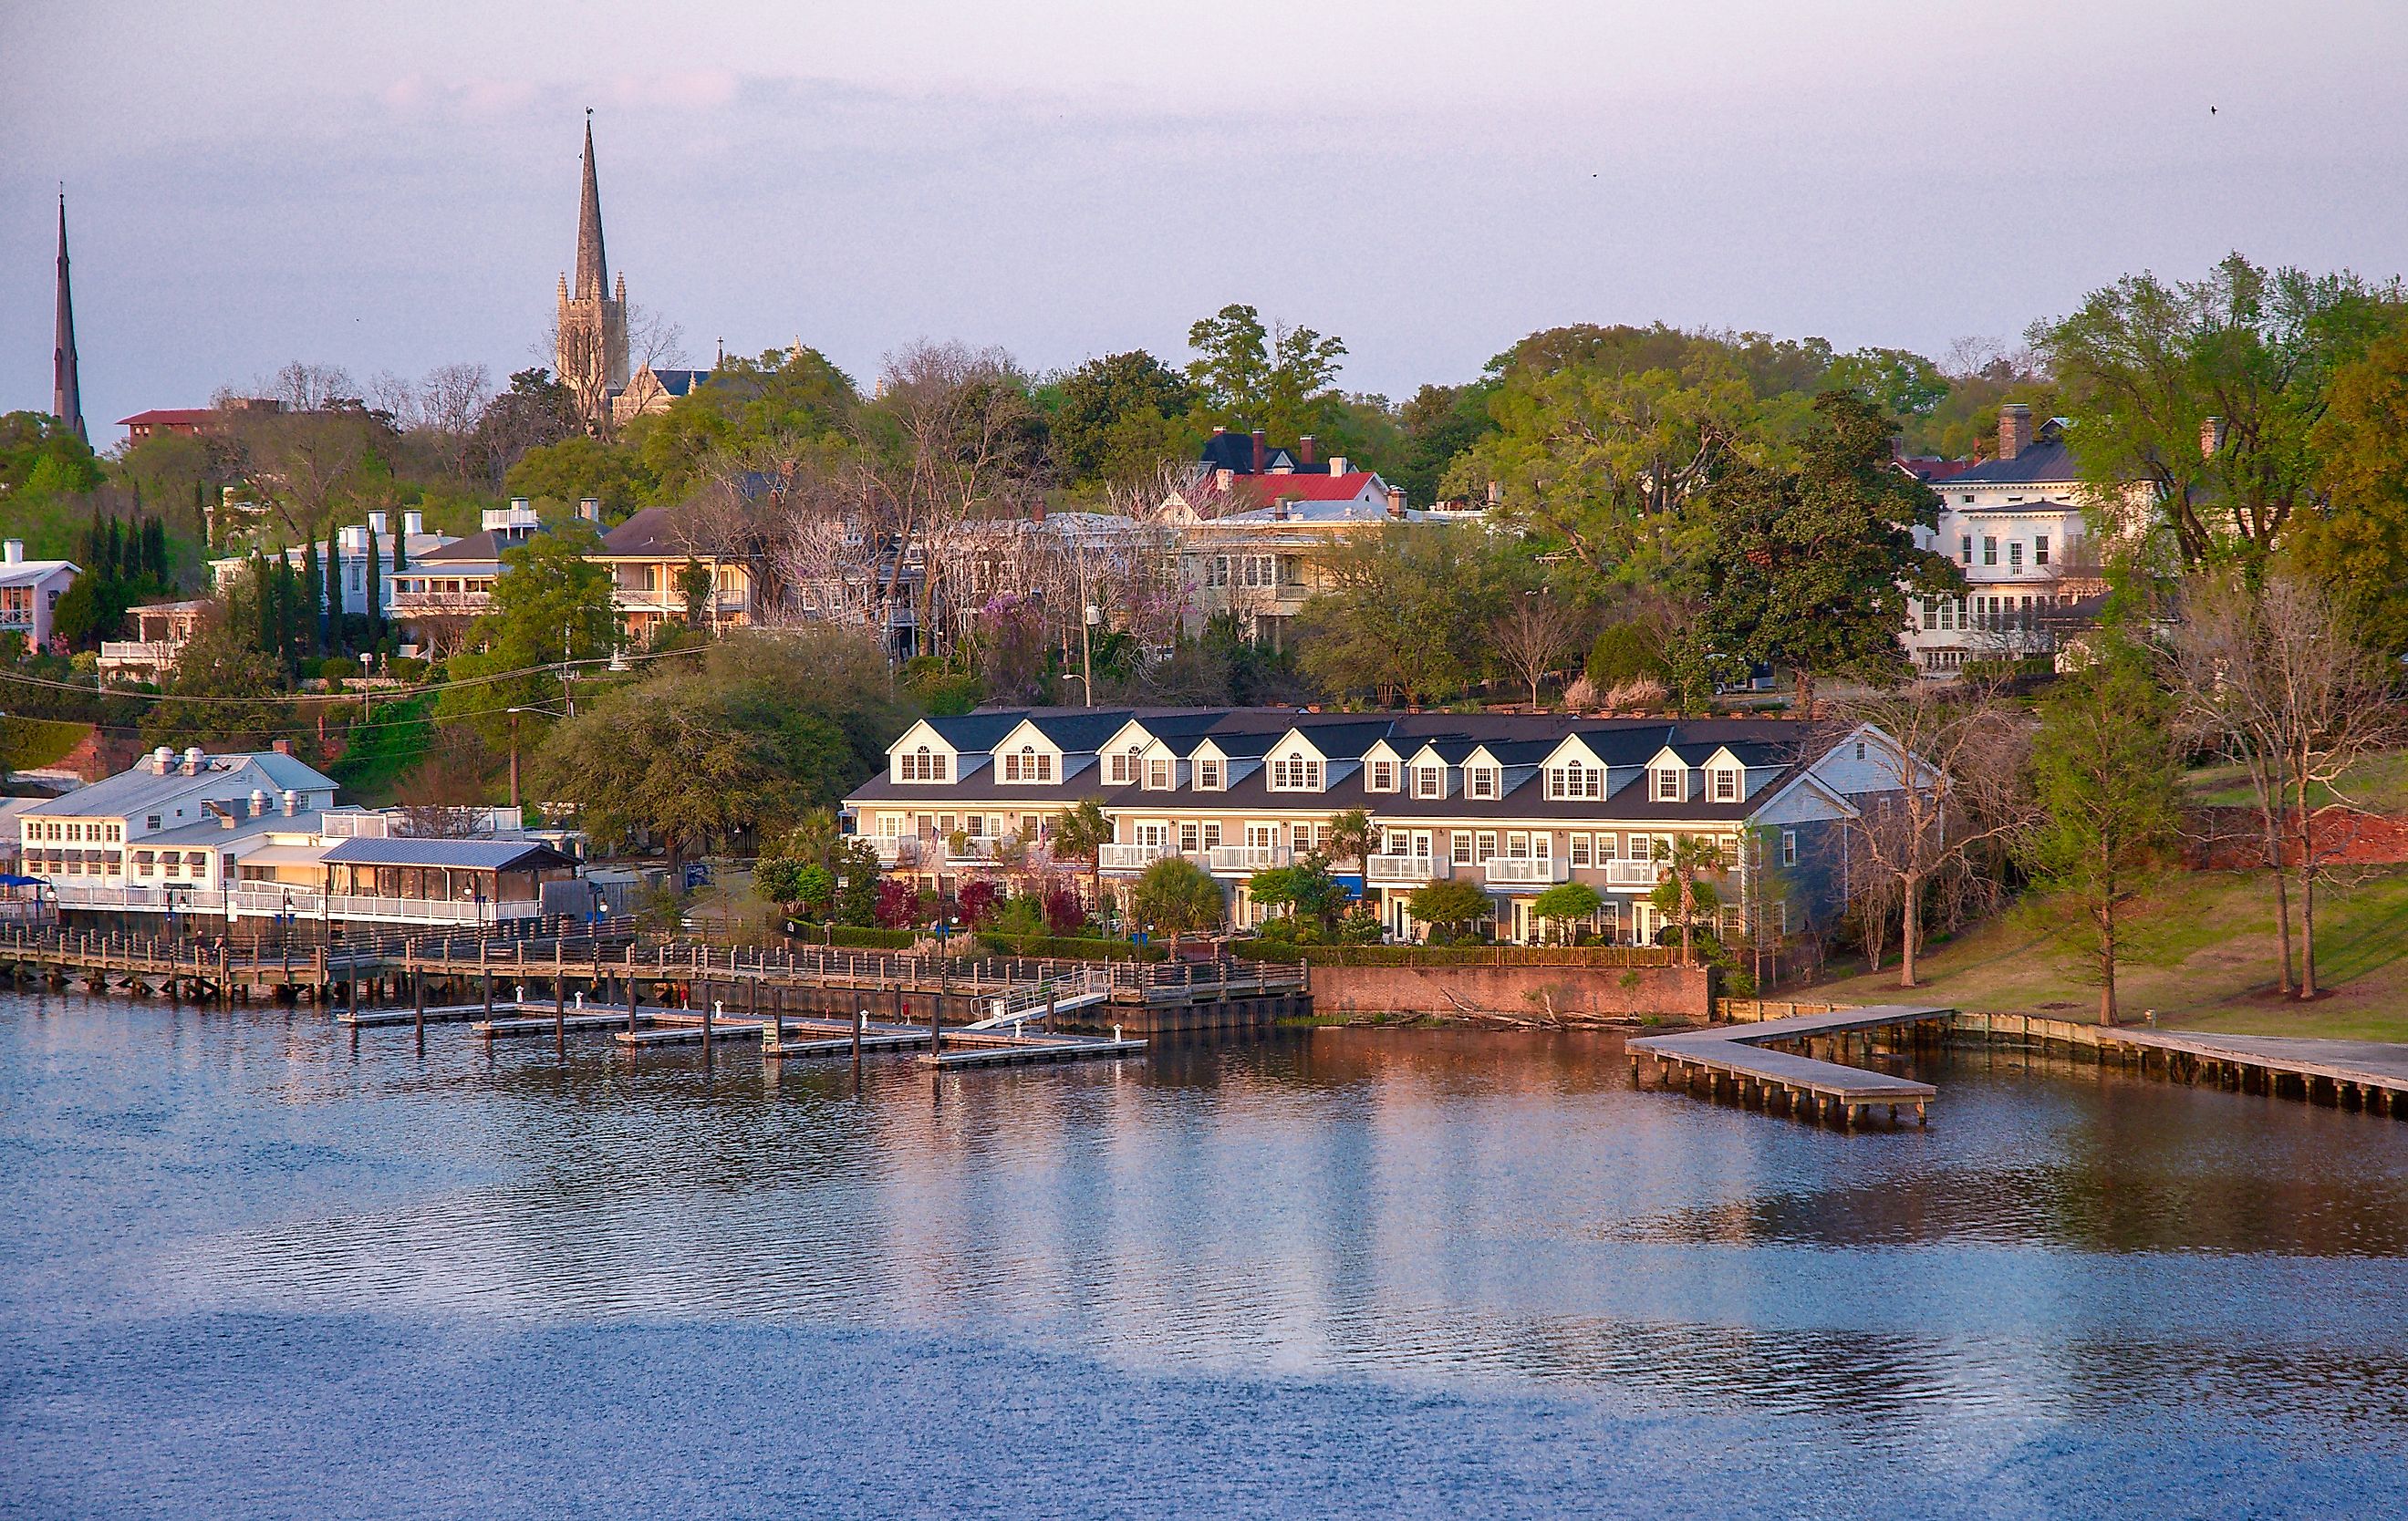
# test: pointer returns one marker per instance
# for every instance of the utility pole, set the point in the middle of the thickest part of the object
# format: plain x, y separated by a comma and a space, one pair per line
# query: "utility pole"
1089, 615
514, 757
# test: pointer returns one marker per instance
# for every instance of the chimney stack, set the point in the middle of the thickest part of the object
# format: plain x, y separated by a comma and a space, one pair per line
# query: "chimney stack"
1223, 478
281, 747
1339, 463
1397, 502
15, 550
590, 508
1262, 450
2211, 436
1279, 510
291, 803
259, 803
1036, 512
413, 522
162, 761
2014, 430
1304, 447
377, 521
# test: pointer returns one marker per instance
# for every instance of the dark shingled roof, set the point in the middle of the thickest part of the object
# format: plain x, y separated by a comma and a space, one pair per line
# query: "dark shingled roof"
458, 855
2047, 460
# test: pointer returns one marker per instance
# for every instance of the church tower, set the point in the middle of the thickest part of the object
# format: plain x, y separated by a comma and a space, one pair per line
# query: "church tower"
592, 357
66, 389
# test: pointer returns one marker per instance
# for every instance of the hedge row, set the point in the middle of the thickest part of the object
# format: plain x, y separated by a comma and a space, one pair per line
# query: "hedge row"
26, 743
1566, 956
858, 938
1069, 947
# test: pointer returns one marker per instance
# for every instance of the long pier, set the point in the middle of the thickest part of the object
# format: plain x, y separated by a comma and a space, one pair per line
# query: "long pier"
2369, 1076
1744, 1062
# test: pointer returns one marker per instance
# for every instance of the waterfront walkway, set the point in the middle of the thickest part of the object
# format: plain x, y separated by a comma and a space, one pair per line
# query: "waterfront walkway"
2372, 1075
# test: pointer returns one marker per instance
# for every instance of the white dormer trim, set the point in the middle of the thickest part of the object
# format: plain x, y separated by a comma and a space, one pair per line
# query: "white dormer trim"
1668, 777
1484, 776
1296, 764
1383, 768
923, 755
1026, 757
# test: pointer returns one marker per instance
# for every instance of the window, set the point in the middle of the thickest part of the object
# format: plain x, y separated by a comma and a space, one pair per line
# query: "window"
151, 822
1429, 781
2040, 548
1481, 782
1667, 785
1299, 838
1295, 773
1965, 555
1191, 838
1860, 750
923, 766
1157, 773
1789, 847
1211, 833
1990, 550
1726, 784
1384, 776
1217, 573
1124, 765
1575, 781
1484, 845
1460, 848
1208, 776
1608, 849
2014, 554
1577, 849
1930, 614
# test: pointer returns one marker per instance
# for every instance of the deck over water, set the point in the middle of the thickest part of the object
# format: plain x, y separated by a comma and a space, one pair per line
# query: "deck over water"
1738, 1053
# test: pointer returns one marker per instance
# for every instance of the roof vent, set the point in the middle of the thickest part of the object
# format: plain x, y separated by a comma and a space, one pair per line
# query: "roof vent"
194, 757
162, 761
291, 802
259, 803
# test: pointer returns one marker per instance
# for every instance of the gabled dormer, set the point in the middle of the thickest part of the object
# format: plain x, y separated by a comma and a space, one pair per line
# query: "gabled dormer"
1384, 769
1667, 777
1160, 769
1296, 764
1574, 772
1429, 775
1027, 757
922, 755
1208, 768
1483, 776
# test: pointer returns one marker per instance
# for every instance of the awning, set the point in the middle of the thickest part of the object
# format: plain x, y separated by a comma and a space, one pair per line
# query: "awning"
287, 855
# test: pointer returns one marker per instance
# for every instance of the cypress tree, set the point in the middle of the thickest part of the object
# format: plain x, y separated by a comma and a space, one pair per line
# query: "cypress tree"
336, 643
313, 584
155, 551
374, 593
270, 628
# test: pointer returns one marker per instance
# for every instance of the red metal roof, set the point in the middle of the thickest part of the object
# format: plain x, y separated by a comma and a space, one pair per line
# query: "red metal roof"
1267, 490
170, 417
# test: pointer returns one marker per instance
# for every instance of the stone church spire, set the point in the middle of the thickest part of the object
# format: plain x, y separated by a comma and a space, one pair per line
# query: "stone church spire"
593, 269
66, 389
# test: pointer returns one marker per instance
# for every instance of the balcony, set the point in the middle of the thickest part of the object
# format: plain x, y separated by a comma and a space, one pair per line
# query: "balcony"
974, 850
1413, 869
1248, 858
139, 654
895, 849
1515, 872
1131, 858
1629, 874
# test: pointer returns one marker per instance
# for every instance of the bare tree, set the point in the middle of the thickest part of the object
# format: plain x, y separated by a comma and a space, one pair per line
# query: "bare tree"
1947, 793
653, 341
443, 796
1534, 636
311, 388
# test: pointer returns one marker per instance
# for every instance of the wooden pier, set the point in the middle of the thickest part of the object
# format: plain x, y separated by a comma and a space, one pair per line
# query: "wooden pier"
2368, 1075
1744, 1062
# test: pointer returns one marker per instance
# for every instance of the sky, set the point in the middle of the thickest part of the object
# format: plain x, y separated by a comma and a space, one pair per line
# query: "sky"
390, 188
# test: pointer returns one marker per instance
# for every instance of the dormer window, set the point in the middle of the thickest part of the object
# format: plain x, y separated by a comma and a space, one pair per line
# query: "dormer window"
1575, 781
1481, 781
1158, 775
1208, 776
1669, 785
1124, 765
1384, 776
1429, 781
1027, 764
1295, 773
924, 766
1726, 786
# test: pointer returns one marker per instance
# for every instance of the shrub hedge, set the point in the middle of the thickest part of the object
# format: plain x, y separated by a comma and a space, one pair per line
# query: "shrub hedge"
1563, 956
1069, 947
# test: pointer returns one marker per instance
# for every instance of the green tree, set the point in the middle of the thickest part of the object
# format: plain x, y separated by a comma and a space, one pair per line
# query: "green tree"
1305, 889
1403, 612
1811, 568
854, 864
1278, 378
1175, 894
694, 585
1119, 416
1682, 894
1451, 904
2205, 393
337, 639
1567, 903
1439, 423
2354, 539
787, 406
1079, 833
580, 466
1353, 837
220, 667
551, 603
2108, 788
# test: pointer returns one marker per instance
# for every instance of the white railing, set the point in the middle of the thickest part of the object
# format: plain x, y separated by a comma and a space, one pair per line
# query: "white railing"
139, 651
1249, 858
264, 900
1131, 858
69, 893
1518, 871
980, 849
895, 849
1404, 868
430, 910
1632, 874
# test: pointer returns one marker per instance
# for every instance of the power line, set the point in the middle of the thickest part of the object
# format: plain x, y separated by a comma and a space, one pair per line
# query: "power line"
387, 695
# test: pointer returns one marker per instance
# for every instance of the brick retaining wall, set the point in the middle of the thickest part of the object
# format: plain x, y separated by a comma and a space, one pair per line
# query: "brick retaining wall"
1521, 991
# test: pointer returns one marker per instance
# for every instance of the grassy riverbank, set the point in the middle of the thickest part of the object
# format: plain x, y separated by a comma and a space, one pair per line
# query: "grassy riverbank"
2207, 964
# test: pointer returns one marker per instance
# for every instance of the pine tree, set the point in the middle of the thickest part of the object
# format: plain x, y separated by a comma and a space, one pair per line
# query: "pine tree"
335, 642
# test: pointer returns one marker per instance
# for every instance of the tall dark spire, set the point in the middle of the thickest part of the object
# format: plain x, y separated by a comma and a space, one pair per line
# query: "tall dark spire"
66, 391
592, 270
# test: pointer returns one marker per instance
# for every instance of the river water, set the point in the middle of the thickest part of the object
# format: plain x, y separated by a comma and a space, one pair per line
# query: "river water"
248, 1270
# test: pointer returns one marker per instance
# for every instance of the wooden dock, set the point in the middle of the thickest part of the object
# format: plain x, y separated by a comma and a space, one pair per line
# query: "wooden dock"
1744, 1062
2368, 1075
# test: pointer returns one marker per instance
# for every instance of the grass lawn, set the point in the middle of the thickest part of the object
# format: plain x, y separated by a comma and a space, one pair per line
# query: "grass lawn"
2207, 964
2379, 782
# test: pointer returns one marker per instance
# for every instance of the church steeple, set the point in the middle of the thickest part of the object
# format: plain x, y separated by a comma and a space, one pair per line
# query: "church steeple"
593, 269
66, 389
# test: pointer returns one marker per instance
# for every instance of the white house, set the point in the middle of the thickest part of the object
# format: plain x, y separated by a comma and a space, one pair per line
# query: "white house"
30, 591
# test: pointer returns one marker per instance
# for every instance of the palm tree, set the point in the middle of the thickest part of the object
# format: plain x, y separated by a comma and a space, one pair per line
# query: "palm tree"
1081, 833
1351, 837
1688, 855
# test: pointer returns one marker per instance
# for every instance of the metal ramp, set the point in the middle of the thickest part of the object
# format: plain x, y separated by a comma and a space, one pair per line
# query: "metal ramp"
1087, 987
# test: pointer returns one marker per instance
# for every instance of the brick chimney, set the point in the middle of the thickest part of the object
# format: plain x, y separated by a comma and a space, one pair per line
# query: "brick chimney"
1262, 450
1036, 512
2014, 430
281, 747
1397, 502
2211, 436
1304, 446
1278, 509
